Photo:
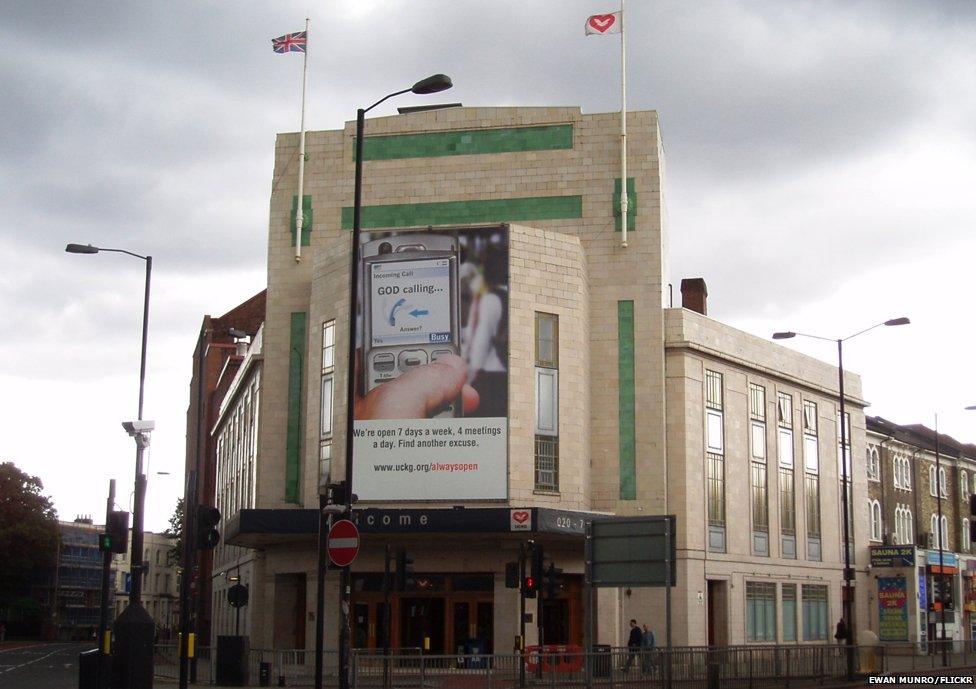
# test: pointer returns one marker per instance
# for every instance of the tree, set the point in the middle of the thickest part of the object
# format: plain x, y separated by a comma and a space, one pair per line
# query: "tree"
28, 533
175, 530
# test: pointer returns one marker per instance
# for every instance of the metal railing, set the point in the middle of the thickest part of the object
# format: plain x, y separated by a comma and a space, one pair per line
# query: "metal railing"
733, 667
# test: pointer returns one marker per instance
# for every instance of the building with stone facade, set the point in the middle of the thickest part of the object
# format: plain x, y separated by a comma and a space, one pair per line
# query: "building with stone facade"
911, 470
616, 403
160, 587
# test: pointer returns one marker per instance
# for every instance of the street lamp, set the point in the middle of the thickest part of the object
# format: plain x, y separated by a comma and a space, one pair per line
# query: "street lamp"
432, 84
133, 667
848, 572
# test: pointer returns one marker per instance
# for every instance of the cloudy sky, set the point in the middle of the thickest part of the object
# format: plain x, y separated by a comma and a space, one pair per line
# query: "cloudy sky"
821, 168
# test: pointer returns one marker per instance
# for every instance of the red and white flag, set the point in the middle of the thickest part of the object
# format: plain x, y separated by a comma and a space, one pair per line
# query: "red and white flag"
602, 24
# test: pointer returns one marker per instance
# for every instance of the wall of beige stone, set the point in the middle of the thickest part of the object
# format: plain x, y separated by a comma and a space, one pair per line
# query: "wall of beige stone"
614, 273
696, 343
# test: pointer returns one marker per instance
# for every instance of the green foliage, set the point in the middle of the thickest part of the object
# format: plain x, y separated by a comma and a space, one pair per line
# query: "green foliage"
175, 530
28, 532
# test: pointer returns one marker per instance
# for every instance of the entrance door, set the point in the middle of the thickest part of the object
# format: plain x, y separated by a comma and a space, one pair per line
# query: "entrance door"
422, 618
555, 621
471, 619
718, 623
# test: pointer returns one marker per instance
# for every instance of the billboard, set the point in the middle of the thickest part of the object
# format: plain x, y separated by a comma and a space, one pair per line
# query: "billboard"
431, 414
892, 609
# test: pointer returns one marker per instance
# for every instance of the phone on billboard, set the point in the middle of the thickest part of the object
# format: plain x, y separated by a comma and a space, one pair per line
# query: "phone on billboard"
410, 306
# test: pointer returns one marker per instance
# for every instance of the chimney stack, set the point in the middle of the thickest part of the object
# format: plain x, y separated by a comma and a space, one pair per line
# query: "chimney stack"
694, 295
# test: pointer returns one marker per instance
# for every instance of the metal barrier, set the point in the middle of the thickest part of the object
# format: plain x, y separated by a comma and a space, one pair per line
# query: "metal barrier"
166, 663
695, 667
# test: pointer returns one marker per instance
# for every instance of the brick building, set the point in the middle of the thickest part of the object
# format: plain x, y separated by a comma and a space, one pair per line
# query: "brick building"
906, 483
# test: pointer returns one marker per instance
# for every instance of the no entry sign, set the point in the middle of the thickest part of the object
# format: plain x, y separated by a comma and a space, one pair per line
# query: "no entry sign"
343, 543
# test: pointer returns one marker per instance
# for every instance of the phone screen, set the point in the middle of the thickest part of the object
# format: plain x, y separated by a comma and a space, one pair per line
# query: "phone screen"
411, 302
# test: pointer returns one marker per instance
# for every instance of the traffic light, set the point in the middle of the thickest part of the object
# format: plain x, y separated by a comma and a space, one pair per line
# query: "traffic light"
405, 580
511, 575
116, 536
552, 581
529, 586
207, 520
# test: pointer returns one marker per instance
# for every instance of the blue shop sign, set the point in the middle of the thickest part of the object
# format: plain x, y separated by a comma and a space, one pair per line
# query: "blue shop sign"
949, 559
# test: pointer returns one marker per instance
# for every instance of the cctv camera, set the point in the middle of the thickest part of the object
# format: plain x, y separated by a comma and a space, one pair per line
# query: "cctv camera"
137, 427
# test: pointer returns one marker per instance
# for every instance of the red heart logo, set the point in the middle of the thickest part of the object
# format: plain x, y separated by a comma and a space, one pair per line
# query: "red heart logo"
520, 517
602, 22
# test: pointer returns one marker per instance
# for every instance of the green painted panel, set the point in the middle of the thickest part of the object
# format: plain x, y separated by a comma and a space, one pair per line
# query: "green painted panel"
293, 434
631, 205
626, 404
464, 212
467, 142
306, 219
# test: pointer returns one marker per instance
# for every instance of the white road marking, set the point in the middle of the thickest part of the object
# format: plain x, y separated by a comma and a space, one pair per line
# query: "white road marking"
36, 660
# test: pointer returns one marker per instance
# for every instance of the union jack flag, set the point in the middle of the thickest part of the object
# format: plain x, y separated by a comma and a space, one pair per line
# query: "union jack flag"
289, 43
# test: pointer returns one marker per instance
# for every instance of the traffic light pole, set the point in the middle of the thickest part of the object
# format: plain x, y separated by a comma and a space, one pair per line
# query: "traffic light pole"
103, 636
189, 547
521, 589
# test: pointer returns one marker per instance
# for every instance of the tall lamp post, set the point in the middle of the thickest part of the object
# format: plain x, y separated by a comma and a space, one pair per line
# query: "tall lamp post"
848, 571
432, 84
134, 628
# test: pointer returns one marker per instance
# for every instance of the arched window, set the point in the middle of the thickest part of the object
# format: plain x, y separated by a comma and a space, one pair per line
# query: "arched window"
906, 474
964, 537
934, 530
874, 462
909, 527
945, 533
943, 485
932, 482
964, 485
874, 507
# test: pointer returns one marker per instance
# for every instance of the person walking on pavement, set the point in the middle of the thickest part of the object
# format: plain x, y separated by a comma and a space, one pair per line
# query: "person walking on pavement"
633, 644
647, 650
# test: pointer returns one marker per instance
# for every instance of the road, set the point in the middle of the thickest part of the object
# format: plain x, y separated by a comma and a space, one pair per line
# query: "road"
37, 665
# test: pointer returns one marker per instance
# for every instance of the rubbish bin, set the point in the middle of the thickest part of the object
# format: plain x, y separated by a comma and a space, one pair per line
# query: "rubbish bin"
264, 674
601, 660
475, 647
89, 668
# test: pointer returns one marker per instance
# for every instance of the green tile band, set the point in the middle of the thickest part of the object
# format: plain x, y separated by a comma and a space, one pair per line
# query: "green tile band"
463, 212
293, 435
631, 205
467, 142
306, 219
626, 404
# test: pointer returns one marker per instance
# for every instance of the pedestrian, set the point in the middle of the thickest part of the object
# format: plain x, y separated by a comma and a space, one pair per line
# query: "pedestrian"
647, 650
841, 633
633, 644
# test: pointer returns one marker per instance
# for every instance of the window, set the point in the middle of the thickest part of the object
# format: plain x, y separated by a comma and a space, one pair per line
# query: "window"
715, 460
326, 401
874, 463
932, 480
811, 479
901, 472
760, 611
789, 612
759, 472
546, 401
943, 484
328, 346
787, 485
904, 529
874, 509
964, 536
964, 485
936, 531
546, 340
815, 618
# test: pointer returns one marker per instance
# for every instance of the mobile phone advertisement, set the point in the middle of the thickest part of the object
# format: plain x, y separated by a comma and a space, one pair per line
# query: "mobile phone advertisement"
431, 417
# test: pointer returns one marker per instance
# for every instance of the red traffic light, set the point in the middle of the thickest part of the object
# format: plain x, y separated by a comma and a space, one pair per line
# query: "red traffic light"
530, 583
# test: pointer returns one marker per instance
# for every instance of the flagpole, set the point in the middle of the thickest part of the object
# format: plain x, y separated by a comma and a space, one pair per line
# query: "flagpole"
623, 126
300, 210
